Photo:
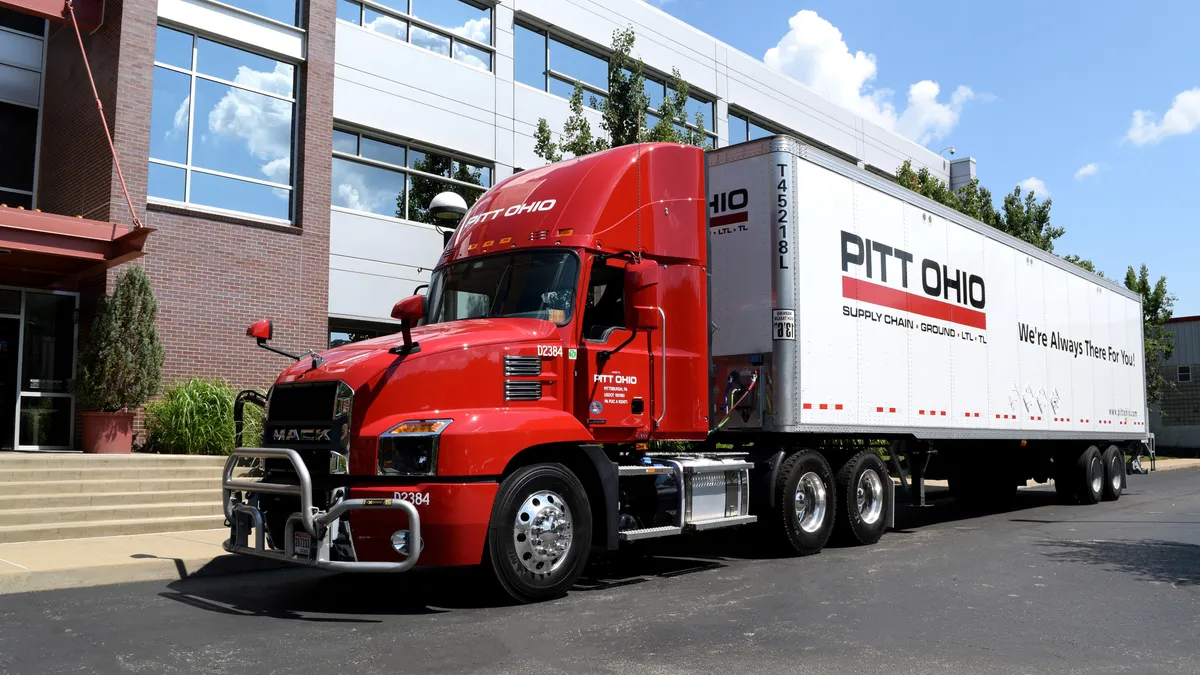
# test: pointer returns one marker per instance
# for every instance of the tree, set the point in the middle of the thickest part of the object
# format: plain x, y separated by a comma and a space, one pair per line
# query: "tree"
623, 112
1026, 219
121, 367
1083, 263
1160, 343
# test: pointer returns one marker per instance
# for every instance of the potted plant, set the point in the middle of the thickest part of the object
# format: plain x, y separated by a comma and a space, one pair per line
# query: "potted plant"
121, 367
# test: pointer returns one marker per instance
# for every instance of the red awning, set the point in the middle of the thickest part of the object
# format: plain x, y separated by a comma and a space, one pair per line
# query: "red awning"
46, 250
90, 13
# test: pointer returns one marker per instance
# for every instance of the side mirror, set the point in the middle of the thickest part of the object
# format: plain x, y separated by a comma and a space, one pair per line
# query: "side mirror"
408, 311
261, 330
641, 296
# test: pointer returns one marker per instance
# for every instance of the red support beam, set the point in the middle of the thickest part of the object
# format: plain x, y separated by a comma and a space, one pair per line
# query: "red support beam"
90, 13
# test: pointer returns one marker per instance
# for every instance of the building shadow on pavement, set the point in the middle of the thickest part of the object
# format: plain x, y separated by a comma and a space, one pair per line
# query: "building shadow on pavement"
1146, 559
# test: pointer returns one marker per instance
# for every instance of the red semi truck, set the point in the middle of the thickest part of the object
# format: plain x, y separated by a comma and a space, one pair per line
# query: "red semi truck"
775, 307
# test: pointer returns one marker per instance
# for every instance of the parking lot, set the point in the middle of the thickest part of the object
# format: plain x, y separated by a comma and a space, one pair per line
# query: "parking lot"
1041, 588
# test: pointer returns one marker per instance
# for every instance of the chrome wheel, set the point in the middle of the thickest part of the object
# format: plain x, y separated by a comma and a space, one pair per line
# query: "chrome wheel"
810, 502
542, 532
1117, 470
870, 497
1096, 474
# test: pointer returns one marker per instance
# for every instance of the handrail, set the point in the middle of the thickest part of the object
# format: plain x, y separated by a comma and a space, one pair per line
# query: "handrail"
663, 395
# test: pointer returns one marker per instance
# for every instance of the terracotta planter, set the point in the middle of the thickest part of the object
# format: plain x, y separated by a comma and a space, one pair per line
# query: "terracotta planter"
108, 432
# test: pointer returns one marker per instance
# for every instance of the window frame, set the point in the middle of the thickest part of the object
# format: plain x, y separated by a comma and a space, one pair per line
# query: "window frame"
442, 31
188, 167
710, 134
407, 171
751, 119
1183, 374
550, 73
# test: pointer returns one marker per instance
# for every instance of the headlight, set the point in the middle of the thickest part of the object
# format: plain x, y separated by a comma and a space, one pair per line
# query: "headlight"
410, 448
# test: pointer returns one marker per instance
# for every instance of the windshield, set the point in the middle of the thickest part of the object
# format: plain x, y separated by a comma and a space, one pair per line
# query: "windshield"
529, 284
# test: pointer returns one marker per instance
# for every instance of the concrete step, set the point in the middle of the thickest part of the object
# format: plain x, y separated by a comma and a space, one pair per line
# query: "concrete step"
53, 460
59, 487
40, 501
74, 515
107, 528
106, 473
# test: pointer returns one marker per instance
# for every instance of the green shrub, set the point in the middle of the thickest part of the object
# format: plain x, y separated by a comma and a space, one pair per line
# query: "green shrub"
121, 364
195, 417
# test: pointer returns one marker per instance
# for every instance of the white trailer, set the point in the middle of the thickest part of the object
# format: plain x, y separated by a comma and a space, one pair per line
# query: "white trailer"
846, 308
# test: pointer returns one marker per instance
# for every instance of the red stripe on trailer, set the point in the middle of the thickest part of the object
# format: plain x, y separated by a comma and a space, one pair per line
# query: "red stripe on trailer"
824, 406
739, 217
878, 409
891, 410
966, 414
865, 291
838, 406
943, 413
808, 406
920, 412
977, 414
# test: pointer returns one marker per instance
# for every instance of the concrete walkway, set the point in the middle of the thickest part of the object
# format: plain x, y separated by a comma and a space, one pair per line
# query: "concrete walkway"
74, 563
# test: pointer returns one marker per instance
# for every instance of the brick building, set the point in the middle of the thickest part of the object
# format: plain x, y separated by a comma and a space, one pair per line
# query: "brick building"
1175, 421
279, 154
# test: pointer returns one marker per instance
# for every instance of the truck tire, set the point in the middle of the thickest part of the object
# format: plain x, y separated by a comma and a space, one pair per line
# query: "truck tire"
540, 532
1089, 476
805, 505
1114, 473
864, 487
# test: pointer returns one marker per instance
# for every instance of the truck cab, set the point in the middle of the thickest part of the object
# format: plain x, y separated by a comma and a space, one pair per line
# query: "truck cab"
567, 314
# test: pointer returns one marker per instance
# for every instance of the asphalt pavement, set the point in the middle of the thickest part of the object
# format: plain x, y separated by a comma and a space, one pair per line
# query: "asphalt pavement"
1042, 588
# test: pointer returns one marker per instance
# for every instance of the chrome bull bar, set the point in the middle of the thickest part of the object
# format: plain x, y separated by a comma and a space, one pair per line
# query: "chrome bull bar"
243, 516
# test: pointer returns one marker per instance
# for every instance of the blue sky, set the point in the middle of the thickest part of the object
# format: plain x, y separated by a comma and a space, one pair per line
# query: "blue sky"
1053, 88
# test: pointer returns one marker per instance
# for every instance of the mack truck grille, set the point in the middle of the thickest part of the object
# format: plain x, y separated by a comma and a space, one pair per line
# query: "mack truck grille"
312, 418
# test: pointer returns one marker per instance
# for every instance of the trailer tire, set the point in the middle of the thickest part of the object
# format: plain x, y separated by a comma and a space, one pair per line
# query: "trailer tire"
805, 504
1089, 476
1114, 473
527, 526
864, 487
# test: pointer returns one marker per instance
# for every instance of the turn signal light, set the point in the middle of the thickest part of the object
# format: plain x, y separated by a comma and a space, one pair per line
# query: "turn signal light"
418, 427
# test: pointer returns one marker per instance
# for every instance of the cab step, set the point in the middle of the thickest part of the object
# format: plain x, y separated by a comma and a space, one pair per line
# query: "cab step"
714, 523
650, 532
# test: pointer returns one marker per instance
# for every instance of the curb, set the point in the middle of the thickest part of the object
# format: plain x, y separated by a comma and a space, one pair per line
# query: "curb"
158, 569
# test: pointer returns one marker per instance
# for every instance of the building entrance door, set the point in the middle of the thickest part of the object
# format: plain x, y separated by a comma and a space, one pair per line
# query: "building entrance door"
10, 335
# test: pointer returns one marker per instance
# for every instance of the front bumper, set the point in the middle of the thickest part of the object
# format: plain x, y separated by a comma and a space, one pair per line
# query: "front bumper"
245, 516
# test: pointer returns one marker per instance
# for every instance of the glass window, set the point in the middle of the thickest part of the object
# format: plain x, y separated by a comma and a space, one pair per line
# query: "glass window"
605, 302
15, 199
398, 192
349, 11
173, 48
1185, 374
472, 55
530, 57
372, 189
737, 129
382, 151
344, 141
48, 360
283, 11
45, 421
578, 64
696, 106
655, 91
10, 301
530, 284
461, 18
757, 132
18, 138
385, 24
20, 85
26, 23
237, 153
345, 332
434, 42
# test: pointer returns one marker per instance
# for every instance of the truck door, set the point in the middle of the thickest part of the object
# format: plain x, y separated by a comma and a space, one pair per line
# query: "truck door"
612, 381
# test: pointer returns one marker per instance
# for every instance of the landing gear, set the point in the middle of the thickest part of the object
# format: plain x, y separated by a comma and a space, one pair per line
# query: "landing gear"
863, 499
803, 516
540, 532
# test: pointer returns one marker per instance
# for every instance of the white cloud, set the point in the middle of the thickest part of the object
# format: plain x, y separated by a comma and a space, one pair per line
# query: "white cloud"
1182, 118
814, 53
1087, 170
262, 122
1035, 185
